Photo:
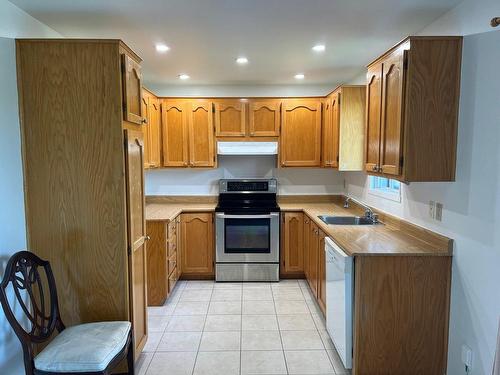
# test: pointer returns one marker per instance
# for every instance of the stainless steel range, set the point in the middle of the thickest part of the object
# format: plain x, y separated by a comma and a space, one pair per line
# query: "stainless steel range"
247, 231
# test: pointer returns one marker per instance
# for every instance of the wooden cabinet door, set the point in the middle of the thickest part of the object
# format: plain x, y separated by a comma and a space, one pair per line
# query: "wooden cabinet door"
179, 245
197, 244
175, 135
145, 130
293, 241
313, 258
322, 271
301, 133
264, 118
201, 134
154, 133
373, 112
307, 237
391, 138
132, 90
330, 134
230, 118
134, 164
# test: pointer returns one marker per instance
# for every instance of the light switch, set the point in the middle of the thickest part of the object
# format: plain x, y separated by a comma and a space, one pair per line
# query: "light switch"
439, 211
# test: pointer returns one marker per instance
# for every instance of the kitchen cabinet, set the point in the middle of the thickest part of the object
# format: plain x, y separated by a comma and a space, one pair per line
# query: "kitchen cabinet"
151, 130
188, 133
344, 128
300, 142
132, 90
71, 101
197, 245
134, 169
230, 117
306, 236
322, 272
313, 247
175, 134
145, 127
292, 253
201, 134
330, 131
264, 118
162, 258
412, 110
154, 132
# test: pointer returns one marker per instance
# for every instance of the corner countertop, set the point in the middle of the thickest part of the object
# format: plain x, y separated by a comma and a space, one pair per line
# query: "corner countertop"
393, 237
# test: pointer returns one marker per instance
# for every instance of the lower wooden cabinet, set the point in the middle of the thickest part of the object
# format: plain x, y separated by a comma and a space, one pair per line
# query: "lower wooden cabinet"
162, 259
322, 272
292, 240
197, 251
312, 279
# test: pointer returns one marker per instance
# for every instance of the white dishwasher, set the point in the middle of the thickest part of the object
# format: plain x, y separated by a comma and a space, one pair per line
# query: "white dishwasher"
339, 299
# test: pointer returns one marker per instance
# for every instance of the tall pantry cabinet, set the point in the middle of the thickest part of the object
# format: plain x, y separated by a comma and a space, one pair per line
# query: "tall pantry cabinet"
83, 157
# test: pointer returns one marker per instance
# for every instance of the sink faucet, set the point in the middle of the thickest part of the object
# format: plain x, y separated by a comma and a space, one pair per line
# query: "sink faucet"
369, 214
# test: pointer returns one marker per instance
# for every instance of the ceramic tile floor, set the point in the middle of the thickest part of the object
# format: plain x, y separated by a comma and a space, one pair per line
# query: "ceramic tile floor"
238, 328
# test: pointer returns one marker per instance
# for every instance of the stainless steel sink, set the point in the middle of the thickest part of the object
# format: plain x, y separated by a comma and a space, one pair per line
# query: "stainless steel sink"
347, 220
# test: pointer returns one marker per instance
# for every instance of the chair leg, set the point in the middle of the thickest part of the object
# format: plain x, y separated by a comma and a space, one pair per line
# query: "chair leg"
130, 356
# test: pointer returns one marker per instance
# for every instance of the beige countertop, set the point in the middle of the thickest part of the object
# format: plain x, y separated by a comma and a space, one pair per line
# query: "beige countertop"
393, 237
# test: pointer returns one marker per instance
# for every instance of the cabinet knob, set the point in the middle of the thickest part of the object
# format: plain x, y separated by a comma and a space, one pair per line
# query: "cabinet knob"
380, 169
148, 238
144, 120
375, 168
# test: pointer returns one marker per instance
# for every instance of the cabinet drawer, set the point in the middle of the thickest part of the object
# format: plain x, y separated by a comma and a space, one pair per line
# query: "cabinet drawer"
172, 229
171, 246
172, 263
172, 280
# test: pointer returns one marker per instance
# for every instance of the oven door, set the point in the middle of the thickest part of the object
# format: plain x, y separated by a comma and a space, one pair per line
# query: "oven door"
247, 238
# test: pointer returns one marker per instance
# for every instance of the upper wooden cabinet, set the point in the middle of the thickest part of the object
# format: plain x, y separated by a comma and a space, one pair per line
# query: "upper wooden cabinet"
292, 255
300, 133
230, 118
151, 130
412, 110
344, 129
330, 132
201, 134
154, 133
132, 90
197, 244
175, 134
264, 118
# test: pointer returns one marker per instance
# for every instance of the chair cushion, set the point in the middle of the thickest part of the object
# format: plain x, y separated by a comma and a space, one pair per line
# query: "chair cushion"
84, 348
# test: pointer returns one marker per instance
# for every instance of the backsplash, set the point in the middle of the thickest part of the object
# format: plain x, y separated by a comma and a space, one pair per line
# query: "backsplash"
204, 181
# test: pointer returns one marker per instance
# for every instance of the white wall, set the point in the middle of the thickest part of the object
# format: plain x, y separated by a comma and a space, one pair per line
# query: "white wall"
471, 213
204, 181
242, 91
13, 23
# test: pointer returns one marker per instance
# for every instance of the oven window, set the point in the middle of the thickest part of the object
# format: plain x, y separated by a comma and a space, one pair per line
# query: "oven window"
247, 236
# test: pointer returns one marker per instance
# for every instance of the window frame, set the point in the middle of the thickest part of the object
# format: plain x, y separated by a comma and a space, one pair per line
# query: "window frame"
386, 193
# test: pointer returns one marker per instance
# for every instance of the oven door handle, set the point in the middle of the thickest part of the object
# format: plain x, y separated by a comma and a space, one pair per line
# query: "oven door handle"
270, 216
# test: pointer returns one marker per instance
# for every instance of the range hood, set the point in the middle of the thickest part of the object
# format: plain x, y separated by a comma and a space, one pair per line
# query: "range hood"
247, 148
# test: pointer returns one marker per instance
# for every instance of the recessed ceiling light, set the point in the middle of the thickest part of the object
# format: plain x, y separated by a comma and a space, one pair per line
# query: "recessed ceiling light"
299, 76
242, 60
183, 76
319, 48
162, 48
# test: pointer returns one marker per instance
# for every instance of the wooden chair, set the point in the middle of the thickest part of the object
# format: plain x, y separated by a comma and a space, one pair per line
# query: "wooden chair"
85, 349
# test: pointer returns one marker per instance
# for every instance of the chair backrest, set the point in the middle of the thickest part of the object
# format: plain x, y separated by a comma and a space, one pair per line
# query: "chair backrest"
30, 277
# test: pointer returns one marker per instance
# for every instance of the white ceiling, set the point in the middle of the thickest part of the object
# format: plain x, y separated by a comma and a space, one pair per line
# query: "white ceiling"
205, 36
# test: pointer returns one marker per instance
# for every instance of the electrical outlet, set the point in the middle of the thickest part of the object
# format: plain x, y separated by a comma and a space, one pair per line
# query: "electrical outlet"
467, 358
432, 209
438, 213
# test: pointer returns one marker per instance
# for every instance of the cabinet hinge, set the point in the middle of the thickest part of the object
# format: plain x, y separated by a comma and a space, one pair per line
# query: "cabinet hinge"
129, 250
337, 158
401, 160
405, 60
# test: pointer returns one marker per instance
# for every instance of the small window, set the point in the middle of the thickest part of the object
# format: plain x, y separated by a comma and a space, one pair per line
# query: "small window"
385, 188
